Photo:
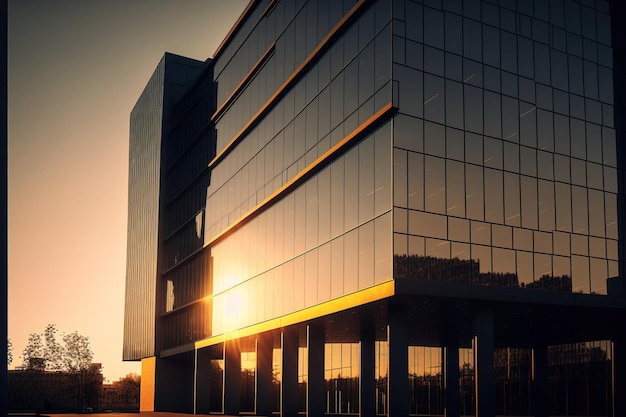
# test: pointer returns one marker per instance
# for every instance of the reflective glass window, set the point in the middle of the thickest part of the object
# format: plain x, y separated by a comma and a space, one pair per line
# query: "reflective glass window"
434, 98
455, 188
511, 199
474, 199
434, 139
494, 198
472, 45
415, 191
435, 185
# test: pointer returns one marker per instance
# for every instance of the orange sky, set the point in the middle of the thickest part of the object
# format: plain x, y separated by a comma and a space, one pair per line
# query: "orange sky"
75, 70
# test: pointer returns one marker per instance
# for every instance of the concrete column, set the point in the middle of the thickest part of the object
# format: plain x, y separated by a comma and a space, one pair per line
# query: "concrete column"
175, 383
451, 377
315, 387
367, 377
232, 377
398, 384
148, 378
449, 332
619, 368
264, 385
203, 382
289, 382
484, 372
541, 395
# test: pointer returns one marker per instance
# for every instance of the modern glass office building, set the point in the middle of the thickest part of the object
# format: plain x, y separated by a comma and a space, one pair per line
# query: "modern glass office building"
387, 207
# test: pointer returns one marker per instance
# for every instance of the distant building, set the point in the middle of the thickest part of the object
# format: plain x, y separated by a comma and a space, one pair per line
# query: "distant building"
54, 390
385, 207
118, 396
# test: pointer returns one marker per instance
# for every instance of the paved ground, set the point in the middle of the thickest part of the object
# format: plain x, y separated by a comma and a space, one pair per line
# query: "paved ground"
145, 414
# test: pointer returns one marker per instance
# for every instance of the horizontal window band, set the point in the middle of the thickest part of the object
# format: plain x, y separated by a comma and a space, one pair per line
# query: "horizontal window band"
293, 78
233, 30
183, 261
187, 306
244, 83
321, 162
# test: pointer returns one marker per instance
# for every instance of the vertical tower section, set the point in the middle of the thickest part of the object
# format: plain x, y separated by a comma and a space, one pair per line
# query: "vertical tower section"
149, 122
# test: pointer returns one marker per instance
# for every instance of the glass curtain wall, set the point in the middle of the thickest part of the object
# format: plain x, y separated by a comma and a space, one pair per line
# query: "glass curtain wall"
505, 171
294, 254
341, 370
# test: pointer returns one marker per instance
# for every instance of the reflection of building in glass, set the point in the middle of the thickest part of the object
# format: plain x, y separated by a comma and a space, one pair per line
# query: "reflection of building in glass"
384, 207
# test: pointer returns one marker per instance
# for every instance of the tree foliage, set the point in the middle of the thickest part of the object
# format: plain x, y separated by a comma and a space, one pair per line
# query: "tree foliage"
129, 389
44, 352
33, 356
70, 358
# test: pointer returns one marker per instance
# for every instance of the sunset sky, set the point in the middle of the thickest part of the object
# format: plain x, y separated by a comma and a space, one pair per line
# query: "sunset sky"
75, 70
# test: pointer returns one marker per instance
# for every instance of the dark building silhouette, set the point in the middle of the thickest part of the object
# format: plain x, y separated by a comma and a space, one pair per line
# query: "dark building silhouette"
385, 207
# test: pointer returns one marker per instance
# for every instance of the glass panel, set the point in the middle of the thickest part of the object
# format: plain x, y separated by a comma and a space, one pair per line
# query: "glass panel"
351, 261
493, 153
546, 205
415, 181
455, 144
458, 229
529, 202
435, 184
598, 276
366, 255
366, 180
610, 207
336, 268
511, 199
510, 119
580, 275
400, 178
454, 104
494, 198
434, 98
473, 101
525, 271
351, 188
596, 209
545, 165
502, 236
474, 192
579, 210
493, 119
408, 133
434, 139
382, 249
455, 187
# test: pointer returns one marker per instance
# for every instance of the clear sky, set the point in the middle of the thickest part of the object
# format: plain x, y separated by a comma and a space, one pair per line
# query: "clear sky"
75, 70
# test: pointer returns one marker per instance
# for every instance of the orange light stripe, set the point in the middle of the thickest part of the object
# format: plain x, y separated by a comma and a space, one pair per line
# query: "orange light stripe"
301, 70
246, 80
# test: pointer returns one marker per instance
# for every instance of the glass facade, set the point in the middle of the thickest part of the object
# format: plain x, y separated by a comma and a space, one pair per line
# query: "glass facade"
397, 207
301, 249
505, 171
148, 220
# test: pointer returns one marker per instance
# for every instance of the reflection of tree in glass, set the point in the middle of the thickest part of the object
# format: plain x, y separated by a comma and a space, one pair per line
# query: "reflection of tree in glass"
431, 268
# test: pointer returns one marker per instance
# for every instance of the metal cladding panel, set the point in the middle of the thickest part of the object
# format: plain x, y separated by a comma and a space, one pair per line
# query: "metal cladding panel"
143, 219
